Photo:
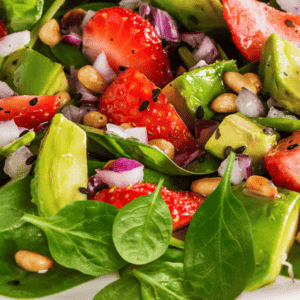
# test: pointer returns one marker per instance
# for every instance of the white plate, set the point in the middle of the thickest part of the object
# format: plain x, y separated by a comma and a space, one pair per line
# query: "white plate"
282, 289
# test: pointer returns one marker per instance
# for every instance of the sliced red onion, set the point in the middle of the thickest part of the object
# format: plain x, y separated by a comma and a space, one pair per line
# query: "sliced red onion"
76, 114
5, 90
276, 113
183, 159
9, 132
139, 133
249, 104
15, 164
130, 4
291, 6
93, 182
89, 14
102, 66
194, 39
162, 22
87, 96
204, 129
72, 38
14, 41
241, 168
122, 172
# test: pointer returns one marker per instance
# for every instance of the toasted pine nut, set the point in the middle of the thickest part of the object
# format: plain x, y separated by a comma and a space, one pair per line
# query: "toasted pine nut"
64, 97
205, 186
49, 33
95, 119
224, 103
252, 77
236, 81
164, 145
91, 79
73, 17
33, 262
261, 186
125, 126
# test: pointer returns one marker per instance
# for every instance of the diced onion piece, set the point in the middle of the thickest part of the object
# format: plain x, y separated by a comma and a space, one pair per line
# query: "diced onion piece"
291, 6
14, 41
162, 22
9, 132
93, 182
184, 158
122, 172
194, 39
89, 14
276, 113
102, 66
74, 113
241, 168
206, 51
72, 38
15, 164
249, 104
87, 96
5, 90
204, 129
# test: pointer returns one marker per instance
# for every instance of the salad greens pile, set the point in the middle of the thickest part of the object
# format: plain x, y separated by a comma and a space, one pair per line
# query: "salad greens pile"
236, 239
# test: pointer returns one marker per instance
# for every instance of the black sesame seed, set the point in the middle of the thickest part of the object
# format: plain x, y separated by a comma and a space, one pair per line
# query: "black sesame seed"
289, 23
218, 134
84, 190
15, 62
144, 105
200, 113
132, 51
269, 131
155, 94
33, 101
14, 282
23, 133
122, 68
193, 19
7, 111
201, 156
101, 187
240, 150
1, 108
285, 73
111, 39
291, 141
30, 160
292, 146
227, 150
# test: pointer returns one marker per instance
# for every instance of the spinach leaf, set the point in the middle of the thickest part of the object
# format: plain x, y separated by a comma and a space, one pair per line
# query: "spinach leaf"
15, 234
142, 229
219, 255
127, 288
79, 237
288, 125
147, 155
20, 15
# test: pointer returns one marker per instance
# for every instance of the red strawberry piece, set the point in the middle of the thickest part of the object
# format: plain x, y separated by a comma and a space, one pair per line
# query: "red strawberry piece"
3, 31
128, 40
182, 204
28, 111
134, 99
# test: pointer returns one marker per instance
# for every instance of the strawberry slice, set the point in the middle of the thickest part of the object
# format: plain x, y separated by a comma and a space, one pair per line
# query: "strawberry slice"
134, 99
28, 111
182, 204
128, 40
3, 31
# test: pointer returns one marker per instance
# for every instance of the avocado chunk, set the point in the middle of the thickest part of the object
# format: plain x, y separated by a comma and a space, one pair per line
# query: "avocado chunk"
279, 70
237, 130
196, 15
198, 88
61, 167
274, 222
28, 72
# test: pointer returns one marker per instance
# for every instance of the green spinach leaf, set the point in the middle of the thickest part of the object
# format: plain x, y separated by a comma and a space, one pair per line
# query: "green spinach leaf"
79, 237
142, 229
147, 155
219, 255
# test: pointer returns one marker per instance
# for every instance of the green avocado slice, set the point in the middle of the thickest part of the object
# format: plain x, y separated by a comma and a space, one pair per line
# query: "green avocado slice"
28, 72
61, 167
279, 70
274, 222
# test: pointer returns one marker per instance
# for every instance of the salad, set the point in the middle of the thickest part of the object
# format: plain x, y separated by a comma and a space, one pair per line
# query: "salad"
157, 141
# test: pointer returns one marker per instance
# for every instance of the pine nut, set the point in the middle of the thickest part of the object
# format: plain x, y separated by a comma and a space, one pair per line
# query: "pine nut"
261, 186
164, 145
33, 262
236, 81
125, 126
49, 33
95, 119
205, 186
224, 103
73, 17
91, 79
64, 97
254, 79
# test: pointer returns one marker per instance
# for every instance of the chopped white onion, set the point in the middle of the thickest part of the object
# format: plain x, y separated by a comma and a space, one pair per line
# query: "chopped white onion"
9, 132
249, 104
14, 41
87, 96
194, 39
241, 168
139, 133
89, 14
291, 6
206, 51
102, 66
73, 113
15, 164
276, 113
5, 90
